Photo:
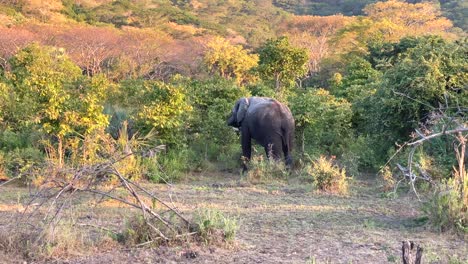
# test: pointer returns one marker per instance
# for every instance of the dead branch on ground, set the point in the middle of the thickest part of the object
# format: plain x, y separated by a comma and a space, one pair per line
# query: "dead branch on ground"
58, 196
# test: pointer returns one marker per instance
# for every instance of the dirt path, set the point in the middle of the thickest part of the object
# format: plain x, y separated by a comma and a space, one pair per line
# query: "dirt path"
290, 224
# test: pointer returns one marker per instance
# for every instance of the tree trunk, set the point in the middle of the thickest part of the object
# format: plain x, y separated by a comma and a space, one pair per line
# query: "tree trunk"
409, 255
303, 142
277, 82
60, 151
461, 164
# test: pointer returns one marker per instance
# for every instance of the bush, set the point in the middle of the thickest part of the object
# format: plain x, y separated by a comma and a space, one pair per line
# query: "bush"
167, 167
10, 140
361, 148
20, 161
263, 170
446, 209
209, 136
214, 227
323, 121
136, 231
327, 176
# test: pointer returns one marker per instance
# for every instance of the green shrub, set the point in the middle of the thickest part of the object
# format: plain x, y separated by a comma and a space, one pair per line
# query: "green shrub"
21, 160
136, 231
446, 209
323, 121
10, 140
361, 150
327, 176
167, 167
228, 157
212, 141
214, 227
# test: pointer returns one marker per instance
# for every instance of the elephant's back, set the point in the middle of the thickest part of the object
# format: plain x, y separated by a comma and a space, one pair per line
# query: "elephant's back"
270, 113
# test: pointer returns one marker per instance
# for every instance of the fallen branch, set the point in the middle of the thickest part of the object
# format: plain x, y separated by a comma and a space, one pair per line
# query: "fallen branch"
57, 195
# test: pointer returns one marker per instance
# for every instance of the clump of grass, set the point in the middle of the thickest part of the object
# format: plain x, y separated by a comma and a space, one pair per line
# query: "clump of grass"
263, 170
51, 242
327, 176
136, 231
214, 227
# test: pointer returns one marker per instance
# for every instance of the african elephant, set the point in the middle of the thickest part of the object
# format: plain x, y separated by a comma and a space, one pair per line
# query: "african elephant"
267, 121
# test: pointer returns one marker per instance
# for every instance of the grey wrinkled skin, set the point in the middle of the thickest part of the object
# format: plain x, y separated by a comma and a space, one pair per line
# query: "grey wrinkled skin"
267, 121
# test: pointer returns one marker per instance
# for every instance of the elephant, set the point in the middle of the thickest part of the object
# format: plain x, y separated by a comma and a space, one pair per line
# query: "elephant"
267, 121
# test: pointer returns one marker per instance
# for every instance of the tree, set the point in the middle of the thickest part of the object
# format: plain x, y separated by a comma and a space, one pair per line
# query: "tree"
229, 61
415, 19
391, 21
282, 62
88, 51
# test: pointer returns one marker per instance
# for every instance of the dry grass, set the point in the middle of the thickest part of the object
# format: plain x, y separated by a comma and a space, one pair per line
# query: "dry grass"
279, 223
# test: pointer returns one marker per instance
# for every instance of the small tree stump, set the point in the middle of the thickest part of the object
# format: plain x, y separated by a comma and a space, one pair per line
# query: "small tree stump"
411, 253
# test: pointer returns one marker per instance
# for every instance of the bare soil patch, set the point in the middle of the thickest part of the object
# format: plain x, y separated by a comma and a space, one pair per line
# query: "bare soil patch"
279, 223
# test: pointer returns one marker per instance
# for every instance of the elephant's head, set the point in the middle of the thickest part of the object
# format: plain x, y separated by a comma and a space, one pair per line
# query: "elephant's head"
238, 112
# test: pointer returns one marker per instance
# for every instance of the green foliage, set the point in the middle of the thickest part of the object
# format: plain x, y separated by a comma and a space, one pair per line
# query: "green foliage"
76, 11
167, 167
360, 154
262, 89
456, 11
50, 92
281, 62
155, 105
21, 161
423, 78
214, 227
355, 84
327, 176
38, 77
10, 140
212, 103
446, 209
323, 122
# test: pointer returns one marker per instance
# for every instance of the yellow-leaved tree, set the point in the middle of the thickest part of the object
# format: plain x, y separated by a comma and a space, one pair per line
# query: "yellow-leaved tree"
391, 21
230, 61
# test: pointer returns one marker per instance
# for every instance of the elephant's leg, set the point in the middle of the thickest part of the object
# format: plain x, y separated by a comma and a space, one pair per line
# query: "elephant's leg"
246, 147
287, 144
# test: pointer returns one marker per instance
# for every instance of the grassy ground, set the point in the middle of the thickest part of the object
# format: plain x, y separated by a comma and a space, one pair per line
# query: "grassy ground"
279, 223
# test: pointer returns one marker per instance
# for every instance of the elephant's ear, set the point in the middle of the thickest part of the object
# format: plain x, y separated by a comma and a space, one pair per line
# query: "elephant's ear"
243, 106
